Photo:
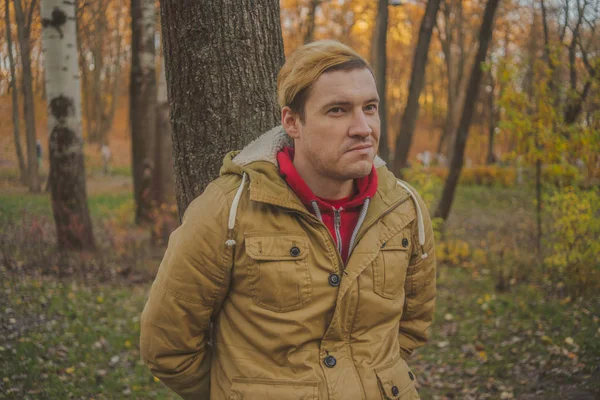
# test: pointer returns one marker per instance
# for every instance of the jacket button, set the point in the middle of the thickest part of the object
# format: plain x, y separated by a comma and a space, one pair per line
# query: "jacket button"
294, 251
411, 376
405, 242
395, 390
330, 361
334, 280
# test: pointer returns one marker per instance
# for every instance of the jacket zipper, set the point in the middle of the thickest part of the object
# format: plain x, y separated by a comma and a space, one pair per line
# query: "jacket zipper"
365, 228
337, 223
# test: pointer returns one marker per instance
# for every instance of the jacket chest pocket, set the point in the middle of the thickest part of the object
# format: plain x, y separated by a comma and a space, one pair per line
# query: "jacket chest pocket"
280, 278
390, 266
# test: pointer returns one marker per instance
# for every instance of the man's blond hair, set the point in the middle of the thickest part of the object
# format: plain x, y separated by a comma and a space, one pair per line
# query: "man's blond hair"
306, 64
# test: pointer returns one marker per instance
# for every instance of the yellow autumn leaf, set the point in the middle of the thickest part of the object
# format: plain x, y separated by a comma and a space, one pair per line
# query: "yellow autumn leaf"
546, 339
156, 380
70, 370
569, 341
482, 355
100, 299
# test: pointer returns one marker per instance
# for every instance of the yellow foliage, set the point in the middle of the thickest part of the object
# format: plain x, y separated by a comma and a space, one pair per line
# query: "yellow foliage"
561, 175
454, 252
574, 248
486, 175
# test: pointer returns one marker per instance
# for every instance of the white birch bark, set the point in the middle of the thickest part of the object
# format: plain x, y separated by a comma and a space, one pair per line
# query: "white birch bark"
59, 46
63, 94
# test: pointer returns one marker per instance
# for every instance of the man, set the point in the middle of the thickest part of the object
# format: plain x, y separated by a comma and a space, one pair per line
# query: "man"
307, 263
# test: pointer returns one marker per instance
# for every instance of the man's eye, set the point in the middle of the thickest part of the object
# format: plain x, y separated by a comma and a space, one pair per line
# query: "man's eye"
336, 110
371, 107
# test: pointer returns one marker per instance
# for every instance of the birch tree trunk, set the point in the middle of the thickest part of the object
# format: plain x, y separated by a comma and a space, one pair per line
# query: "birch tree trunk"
24, 29
143, 105
222, 60
15, 99
63, 91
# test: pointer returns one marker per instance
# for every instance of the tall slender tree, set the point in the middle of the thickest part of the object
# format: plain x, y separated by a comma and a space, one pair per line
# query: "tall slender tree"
15, 97
417, 79
164, 184
309, 36
456, 163
234, 71
379, 64
142, 108
63, 91
24, 18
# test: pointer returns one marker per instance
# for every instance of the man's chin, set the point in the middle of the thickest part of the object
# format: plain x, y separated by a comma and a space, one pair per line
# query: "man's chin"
358, 170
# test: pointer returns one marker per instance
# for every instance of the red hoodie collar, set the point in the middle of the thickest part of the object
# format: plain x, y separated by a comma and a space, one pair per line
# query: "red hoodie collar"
364, 187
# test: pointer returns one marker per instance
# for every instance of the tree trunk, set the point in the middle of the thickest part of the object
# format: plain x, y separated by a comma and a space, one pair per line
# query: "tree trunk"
232, 56
164, 184
23, 30
63, 90
538, 205
491, 158
143, 104
310, 21
15, 99
411, 112
456, 163
379, 64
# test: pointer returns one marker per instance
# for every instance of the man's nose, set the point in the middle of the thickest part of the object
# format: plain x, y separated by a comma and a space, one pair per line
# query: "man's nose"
360, 125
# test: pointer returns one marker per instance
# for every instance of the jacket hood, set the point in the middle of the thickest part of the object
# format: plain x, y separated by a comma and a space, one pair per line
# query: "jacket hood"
264, 149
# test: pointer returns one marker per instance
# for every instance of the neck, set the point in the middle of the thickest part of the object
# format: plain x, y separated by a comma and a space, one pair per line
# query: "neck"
323, 186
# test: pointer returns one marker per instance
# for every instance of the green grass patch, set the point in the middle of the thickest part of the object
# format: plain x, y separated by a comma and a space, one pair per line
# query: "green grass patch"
72, 341
14, 206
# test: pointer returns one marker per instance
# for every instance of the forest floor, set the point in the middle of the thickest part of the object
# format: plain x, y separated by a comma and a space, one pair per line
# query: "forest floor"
69, 323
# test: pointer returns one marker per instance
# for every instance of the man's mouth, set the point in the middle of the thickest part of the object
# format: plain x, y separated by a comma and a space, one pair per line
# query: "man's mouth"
363, 147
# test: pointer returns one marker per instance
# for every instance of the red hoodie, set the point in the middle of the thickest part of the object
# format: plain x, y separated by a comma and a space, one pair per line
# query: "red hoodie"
348, 208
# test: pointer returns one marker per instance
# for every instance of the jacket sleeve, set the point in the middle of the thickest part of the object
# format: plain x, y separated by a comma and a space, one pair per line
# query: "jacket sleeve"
420, 290
192, 281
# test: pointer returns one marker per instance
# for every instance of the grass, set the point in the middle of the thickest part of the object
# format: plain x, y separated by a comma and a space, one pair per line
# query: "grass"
486, 343
66, 340
15, 205
77, 337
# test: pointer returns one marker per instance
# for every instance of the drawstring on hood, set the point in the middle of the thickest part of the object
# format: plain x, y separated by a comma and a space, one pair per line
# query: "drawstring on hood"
315, 206
233, 212
420, 223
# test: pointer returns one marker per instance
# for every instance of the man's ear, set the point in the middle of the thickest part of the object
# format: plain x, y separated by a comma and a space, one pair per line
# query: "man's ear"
290, 122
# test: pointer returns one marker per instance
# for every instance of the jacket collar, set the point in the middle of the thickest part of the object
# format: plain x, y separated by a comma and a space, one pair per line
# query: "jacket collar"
259, 161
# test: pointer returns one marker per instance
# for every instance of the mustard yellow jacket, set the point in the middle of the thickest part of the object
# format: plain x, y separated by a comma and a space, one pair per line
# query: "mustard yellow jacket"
246, 304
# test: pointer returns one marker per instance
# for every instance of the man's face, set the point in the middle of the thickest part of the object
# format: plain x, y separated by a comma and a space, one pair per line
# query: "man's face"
340, 133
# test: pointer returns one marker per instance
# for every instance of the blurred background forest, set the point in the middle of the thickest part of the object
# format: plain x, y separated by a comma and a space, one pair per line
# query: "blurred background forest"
491, 110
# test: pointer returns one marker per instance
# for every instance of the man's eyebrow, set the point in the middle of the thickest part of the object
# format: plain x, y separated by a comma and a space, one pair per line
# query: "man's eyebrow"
348, 103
